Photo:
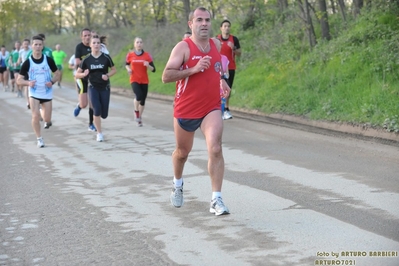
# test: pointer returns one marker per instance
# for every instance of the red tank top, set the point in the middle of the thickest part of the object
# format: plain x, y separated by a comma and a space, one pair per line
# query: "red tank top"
198, 94
227, 51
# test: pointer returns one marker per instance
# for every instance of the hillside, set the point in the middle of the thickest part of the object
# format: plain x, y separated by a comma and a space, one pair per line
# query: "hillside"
353, 78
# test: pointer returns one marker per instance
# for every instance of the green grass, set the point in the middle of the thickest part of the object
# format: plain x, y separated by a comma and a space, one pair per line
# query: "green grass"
353, 78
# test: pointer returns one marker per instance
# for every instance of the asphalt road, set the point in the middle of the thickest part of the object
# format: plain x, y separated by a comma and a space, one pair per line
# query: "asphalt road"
296, 197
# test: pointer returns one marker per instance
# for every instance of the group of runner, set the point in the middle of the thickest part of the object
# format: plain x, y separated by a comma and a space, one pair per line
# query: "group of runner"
195, 59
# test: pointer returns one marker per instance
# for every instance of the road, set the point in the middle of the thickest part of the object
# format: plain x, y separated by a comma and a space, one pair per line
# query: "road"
296, 197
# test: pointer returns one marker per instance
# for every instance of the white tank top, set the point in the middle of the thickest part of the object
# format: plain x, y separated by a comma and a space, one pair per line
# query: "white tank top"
42, 74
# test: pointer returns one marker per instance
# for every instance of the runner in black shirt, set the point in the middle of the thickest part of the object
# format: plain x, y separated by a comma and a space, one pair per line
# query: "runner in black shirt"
95, 67
82, 50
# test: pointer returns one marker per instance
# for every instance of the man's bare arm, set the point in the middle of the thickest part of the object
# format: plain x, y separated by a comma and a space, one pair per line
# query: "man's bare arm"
178, 57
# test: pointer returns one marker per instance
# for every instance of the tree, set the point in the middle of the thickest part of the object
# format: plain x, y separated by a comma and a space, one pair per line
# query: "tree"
342, 7
305, 10
325, 27
187, 8
358, 4
250, 18
282, 7
159, 8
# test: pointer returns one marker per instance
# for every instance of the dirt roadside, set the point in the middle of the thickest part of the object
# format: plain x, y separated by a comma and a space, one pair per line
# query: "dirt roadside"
322, 127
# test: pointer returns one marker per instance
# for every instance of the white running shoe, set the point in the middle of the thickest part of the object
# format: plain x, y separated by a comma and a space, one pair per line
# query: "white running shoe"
40, 143
176, 197
218, 207
227, 115
100, 137
139, 122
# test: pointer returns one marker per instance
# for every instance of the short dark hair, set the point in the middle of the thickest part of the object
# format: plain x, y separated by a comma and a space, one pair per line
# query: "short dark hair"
37, 37
224, 21
84, 29
191, 15
42, 35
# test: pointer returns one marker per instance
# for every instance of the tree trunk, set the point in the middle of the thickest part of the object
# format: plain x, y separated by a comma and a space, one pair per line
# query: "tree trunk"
87, 9
282, 6
187, 8
250, 19
325, 27
59, 26
309, 25
341, 4
357, 6
332, 3
159, 10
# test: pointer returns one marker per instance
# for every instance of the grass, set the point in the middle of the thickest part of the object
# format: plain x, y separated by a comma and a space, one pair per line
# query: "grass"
352, 79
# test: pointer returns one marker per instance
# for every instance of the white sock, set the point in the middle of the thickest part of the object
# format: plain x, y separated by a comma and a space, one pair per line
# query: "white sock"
178, 182
216, 194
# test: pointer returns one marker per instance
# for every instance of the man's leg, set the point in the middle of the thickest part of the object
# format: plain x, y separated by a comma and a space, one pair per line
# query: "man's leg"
47, 109
83, 100
59, 81
26, 89
212, 127
5, 76
184, 144
81, 87
226, 113
35, 108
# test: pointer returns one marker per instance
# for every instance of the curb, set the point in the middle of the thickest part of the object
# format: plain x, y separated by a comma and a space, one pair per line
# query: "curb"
361, 131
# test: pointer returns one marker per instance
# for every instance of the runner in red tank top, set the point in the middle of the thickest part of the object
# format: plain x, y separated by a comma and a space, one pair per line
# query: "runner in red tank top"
230, 48
197, 104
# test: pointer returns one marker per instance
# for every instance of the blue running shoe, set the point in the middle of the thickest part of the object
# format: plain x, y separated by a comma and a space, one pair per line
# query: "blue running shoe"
92, 128
76, 111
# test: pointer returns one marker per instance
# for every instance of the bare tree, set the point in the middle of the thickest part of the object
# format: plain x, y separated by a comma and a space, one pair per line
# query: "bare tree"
282, 7
342, 6
159, 8
325, 27
187, 8
357, 6
250, 18
87, 9
332, 4
305, 10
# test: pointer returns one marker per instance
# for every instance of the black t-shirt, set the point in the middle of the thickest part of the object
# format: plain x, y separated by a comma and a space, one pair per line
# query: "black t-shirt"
26, 65
82, 51
97, 67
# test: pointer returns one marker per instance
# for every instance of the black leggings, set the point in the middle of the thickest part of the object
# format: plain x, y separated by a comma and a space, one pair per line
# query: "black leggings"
141, 91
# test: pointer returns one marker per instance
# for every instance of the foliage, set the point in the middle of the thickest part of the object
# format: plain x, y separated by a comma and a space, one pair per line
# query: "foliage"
352, 78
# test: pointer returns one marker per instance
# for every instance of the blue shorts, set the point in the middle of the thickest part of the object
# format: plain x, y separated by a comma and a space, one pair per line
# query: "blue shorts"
100, 101
190, 125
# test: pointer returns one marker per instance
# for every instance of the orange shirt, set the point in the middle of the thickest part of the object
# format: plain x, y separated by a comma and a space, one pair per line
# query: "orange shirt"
139, 71
199, 94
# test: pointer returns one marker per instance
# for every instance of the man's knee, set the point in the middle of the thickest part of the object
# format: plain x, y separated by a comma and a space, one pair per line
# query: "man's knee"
36, 116
216, 149
181, 154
